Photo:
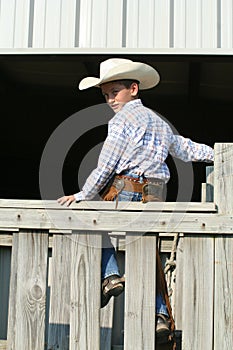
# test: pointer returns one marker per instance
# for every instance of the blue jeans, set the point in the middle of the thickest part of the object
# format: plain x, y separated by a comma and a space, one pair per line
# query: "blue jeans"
109, 262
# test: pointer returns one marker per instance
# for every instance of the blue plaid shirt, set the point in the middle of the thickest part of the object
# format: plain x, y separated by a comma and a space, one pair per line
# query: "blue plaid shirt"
139, 141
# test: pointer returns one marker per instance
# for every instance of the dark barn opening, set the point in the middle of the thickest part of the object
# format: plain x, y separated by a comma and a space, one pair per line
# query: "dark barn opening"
39, 92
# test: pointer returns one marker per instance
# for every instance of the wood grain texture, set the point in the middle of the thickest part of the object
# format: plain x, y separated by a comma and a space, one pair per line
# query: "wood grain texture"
26, 327
59, 313
117, 221
85, 291
223, 177
106, 324
223, 302
178, 308
140, 290
197, 317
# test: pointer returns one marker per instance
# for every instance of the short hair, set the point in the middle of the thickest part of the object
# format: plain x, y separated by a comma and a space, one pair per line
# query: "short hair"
127, 82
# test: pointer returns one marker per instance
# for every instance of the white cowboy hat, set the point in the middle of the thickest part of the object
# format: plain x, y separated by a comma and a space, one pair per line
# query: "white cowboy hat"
121, 68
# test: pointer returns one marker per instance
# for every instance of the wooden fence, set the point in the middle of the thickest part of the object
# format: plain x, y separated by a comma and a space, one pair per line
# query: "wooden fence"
54, 287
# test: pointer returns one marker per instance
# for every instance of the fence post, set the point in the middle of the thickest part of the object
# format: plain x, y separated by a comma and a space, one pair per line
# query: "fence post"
85, 290
223, 196
59, 311
140, 289
26, 321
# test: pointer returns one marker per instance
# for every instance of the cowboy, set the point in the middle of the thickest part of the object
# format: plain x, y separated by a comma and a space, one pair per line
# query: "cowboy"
131, 165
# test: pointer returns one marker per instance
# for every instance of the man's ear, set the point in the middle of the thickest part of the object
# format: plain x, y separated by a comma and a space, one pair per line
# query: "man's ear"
134, 89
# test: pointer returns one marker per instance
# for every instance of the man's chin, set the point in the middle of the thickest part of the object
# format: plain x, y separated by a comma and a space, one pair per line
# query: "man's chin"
116, 108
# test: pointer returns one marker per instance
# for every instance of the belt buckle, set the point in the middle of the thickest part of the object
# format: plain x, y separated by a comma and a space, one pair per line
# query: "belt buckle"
119, 184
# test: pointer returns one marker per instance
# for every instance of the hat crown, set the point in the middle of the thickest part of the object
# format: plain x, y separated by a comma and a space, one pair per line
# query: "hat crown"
111, 63
114, 69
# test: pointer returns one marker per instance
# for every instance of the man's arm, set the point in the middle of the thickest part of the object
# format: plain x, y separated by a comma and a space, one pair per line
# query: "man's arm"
188, 150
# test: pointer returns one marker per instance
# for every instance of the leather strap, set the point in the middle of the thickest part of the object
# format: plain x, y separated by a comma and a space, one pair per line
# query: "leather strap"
135, 185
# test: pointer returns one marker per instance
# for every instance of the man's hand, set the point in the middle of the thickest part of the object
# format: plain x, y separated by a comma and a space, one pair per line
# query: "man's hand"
66, 200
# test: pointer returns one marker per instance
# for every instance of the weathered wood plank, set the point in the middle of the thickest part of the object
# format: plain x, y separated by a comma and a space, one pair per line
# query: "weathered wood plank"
223, 310
198, 293
26, 327
116, 221
103, 205
140, 293
210, 183
223, 177
12, 295
223, 304
106, 323
3, 344
6, 240
178, 305
85, 291
166, 240
59, 314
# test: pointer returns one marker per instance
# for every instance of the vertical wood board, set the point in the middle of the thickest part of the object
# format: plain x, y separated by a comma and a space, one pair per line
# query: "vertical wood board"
223, 304
223, 177
140, 290
26, 328
85, 291
223, 189
178, 310
106, 320
59, 314
198, 294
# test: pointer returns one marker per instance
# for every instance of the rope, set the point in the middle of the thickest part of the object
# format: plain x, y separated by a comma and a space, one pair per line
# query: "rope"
170, 264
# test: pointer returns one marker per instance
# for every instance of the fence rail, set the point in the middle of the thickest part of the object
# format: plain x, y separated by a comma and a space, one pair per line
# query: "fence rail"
54, 289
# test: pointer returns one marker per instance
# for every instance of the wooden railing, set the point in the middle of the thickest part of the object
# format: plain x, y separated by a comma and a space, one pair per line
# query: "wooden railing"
54, 290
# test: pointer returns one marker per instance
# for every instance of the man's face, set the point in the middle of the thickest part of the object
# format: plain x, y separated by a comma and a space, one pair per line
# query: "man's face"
117, 95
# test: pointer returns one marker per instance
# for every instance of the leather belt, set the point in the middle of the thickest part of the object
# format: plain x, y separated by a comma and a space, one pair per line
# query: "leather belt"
132, 184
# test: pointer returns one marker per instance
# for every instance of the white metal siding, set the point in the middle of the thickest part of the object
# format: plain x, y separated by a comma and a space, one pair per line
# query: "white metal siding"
116, 24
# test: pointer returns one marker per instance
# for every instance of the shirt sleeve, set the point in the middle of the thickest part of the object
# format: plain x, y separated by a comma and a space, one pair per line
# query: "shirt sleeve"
188, 150
110, 154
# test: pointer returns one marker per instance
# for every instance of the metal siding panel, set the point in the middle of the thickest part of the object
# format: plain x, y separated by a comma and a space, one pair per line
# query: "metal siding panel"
106, 25
209, 24
193, 24
137, 24
115, 24
68, 19
227, 24
132, 20
162, 23
52, 23
22, 10
179, 23
99, 23
146, 23
85, 23
39, 24
7, 23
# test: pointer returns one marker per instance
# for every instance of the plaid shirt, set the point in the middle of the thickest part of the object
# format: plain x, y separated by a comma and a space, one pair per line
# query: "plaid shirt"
139, 141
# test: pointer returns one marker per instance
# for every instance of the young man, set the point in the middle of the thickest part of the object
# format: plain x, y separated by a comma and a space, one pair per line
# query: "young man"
131, 165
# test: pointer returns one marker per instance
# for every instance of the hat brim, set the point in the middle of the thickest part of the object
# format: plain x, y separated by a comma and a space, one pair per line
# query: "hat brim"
147, 76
